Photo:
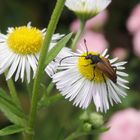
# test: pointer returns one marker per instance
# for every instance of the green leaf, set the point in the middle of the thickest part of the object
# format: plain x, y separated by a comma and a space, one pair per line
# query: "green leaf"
12, 129
55, 50
10, 110
101, 129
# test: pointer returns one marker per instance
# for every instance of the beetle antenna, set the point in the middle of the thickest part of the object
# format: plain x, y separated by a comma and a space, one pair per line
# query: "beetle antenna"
69, 57
85, 42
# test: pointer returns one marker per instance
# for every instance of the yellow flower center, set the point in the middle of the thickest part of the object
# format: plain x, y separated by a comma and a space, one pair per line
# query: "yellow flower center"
24, 40
88, 70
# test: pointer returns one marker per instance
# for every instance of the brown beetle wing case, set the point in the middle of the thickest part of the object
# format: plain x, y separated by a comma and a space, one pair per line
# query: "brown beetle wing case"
105, 67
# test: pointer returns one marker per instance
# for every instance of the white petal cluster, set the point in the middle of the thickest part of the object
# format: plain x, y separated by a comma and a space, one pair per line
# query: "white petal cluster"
19, 64
82, 91
86, 9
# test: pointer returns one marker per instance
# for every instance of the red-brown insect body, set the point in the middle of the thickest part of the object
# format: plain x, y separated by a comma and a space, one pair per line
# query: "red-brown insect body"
104, 66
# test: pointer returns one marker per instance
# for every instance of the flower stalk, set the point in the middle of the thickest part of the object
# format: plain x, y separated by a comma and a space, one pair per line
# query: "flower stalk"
12, 90
78, 34
50, 30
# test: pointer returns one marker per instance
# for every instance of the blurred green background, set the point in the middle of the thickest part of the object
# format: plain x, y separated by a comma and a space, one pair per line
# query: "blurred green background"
57, 121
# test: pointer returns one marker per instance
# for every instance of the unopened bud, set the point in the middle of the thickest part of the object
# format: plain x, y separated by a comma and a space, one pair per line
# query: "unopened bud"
87, 127
84, 116
85, 9
96, 119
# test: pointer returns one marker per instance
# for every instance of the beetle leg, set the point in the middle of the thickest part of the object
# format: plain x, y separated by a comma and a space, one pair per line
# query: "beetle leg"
114, 67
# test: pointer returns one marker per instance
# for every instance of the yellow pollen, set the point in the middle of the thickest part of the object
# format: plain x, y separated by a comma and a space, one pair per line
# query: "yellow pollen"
24, 40
87, 69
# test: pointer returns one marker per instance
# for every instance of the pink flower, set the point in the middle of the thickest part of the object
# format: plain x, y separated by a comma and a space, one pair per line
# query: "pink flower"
124, 125
95, 41
120, 52
133, 23
95, 22
136, 44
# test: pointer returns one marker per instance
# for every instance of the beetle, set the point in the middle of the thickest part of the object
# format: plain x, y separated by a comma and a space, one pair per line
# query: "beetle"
100, 63
103, 65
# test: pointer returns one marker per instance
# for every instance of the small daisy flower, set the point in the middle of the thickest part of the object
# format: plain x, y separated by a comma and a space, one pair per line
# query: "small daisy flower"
19, 50
81, 80
86, 9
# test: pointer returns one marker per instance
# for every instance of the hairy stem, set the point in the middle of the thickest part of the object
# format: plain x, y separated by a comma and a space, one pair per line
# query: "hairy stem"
12, 90
34, 101
78, 35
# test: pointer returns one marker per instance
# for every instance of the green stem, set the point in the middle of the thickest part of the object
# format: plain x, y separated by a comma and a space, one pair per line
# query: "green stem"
50, 31
47, 101
78, 35
77, 134
47, 91
12, 90
29, 88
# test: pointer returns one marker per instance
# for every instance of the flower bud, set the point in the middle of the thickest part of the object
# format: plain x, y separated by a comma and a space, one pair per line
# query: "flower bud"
87, 127
86, 9
84, 116
96, 119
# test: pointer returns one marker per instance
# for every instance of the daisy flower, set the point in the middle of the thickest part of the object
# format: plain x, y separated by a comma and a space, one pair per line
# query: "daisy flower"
19, 50
80, 80
86, 9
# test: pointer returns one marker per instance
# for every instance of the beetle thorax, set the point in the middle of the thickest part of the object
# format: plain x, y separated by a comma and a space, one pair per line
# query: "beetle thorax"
86, 67
94, 58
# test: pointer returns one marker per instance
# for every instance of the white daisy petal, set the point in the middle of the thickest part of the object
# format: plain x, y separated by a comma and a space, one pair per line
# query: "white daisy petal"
122, 73
106, 56
7, 62
20, 50
29, 24
43, 30
114, 95
84, 100
122, 80
122, 85
13, 67
102, 4
110, 98
104, 52
76, 90
118, 89
32, 63
28, 70
53, 66
104, 89
10, 29
119, 63
2, 38
120, 68
80, 96
18, 70
56, 37
97, 101
113, 60
22, 69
